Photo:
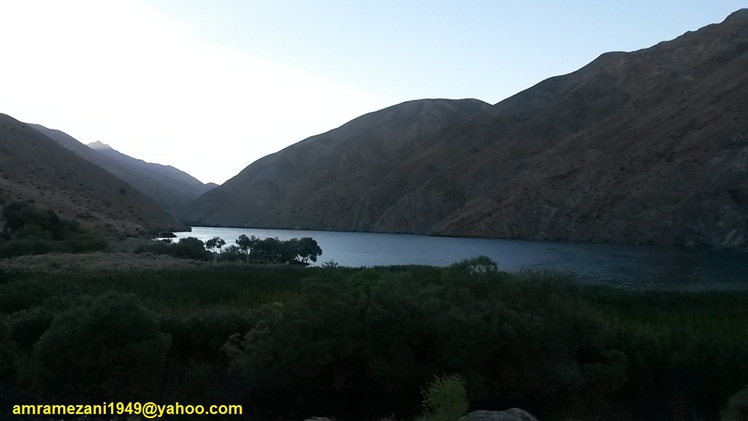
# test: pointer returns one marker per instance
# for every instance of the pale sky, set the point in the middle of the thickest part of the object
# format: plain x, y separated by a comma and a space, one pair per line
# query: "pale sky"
209, 86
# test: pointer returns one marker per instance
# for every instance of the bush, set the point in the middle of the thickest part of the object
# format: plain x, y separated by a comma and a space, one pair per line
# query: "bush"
29, 324
186, 248
476, 265
737, 407
232, 253
13, 248
25, 221
28, 230
106, 349
445, 399
191, 248
7, 361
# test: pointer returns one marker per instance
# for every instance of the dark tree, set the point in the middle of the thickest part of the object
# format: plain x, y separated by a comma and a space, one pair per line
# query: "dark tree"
247, 244
19, 215
274, 251
190, 248
307, 249
215, 243
270, 250
232, 254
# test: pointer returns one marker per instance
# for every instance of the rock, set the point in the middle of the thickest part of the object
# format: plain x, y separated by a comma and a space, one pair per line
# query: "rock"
514, 414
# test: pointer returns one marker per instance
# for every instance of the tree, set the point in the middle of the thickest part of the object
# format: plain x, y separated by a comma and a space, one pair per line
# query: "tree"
307, 249
247, 244
232, 254
190, 248
270, 250
24, 220
215, 243
274, 251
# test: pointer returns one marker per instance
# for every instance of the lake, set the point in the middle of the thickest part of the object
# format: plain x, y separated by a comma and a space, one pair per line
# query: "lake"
631, 266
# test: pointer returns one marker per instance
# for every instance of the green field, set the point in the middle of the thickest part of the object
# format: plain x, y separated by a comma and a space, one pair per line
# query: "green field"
292, 342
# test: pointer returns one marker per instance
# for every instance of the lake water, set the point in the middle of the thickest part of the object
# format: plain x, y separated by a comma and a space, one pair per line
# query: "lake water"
631, 266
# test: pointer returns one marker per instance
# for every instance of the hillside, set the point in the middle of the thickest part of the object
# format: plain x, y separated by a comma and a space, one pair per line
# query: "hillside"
648, 146
169, 187
35, 168
314, 183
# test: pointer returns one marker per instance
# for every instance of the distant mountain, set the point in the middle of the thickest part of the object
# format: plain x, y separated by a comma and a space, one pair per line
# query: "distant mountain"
649, 146
35, 168
169, 187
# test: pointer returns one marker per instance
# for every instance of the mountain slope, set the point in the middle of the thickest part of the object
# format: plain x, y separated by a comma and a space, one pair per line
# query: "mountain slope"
169, 187
310, 184
35, 168
647, 146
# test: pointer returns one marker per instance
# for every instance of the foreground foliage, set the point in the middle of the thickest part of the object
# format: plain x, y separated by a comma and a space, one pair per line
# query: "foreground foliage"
445, 399
104, 347
288, 341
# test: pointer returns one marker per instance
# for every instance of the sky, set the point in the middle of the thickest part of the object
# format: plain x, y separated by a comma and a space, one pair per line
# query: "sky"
210, 86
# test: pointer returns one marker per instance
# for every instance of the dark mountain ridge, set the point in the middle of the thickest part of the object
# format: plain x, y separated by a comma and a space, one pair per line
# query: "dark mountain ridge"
34, 168
169, 187
649, 146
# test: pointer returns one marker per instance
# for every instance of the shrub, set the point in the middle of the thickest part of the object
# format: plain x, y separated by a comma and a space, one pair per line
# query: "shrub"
29, 324
109, 348
190, 248
232, 253
737, 407
476, 265
7, 360
186, 248
330, 264
445, 399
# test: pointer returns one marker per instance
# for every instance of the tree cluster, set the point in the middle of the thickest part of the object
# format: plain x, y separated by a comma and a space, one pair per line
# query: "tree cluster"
186, 248
27, 229
248, 249
296, 251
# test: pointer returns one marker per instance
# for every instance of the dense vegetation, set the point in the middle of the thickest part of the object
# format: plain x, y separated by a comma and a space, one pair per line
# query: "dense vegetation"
247, 249
290, 342
26, 229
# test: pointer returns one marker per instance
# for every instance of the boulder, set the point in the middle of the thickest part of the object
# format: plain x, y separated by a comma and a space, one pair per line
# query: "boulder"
514, 414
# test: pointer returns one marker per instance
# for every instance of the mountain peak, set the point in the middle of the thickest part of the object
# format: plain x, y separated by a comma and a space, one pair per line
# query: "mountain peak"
740, 14
98, 145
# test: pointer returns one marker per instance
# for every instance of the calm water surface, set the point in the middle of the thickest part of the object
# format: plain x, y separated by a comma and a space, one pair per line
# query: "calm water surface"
622, 265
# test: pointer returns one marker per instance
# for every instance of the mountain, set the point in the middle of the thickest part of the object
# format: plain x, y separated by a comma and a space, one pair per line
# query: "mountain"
34, 168
314, 183
649, 146
169, 187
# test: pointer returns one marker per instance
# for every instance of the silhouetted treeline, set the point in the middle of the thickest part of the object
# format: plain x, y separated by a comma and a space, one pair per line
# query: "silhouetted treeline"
248, 249
185, 248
